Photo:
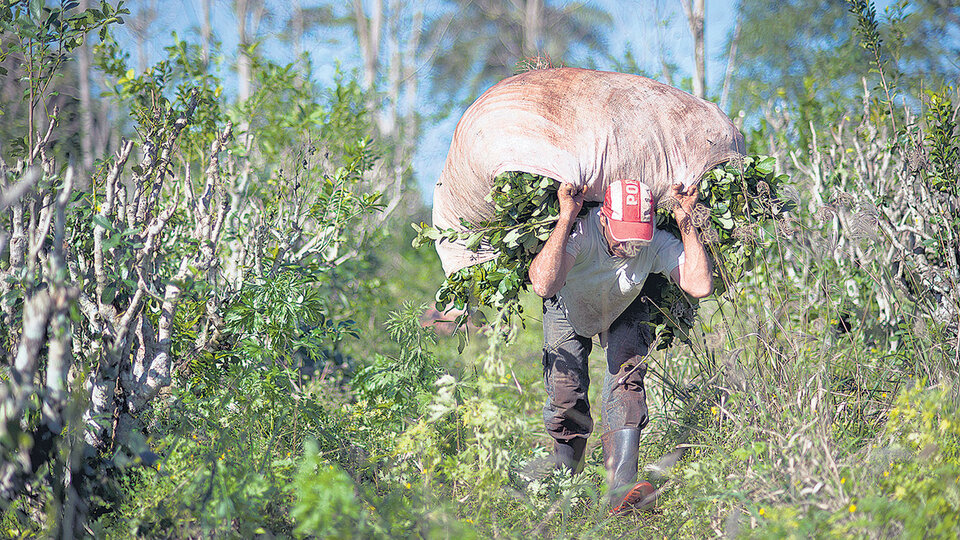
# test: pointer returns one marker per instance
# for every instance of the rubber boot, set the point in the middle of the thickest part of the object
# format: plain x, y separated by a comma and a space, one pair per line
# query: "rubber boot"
568, 455
621, 451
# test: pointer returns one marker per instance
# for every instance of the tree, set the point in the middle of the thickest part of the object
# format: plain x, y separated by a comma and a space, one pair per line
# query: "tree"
250, 14
695, 10
804, 53
388, 35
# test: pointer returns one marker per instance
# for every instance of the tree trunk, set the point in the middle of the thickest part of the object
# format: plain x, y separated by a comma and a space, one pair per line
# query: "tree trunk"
532, 27
86, 105
665, 69
369, 33
297, 28
390, 118
731, 63
411, 84
694, 10
206, 32
243, 59
254, 9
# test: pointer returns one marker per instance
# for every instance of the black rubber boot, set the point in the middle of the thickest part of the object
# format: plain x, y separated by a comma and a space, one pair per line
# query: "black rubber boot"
621, 450
568, 455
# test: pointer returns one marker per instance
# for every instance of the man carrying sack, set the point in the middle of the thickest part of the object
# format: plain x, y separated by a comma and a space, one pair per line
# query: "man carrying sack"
621, 139
591, 280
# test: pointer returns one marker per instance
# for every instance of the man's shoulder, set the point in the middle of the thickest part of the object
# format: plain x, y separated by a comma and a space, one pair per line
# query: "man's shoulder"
664, 237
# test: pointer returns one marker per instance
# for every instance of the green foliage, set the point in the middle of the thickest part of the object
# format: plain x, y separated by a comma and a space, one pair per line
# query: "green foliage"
466, 440
919, 491
803, 63
867, 28
525, 209
326, 506
744, 203
152, 96
396, 383
226, 458
797, 401
284, 320
943, 142
44, 37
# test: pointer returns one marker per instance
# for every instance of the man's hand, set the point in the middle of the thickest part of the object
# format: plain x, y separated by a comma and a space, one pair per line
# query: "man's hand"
695, 275
571, 201
687, 199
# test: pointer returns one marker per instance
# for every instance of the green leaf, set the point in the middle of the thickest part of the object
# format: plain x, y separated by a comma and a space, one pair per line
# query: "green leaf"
109, 294
725, 221
511, 238
473, 242
36, 7
113, 241
767, 165
102, 222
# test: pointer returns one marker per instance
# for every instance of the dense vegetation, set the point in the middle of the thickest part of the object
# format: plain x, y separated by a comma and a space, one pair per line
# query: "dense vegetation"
214, 330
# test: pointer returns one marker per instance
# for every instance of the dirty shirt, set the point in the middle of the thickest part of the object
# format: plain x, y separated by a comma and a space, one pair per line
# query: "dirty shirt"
599, 286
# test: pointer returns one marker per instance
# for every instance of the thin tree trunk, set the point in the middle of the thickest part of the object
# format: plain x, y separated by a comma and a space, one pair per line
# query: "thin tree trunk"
390, 119
694, 10
369, 32
243, 59
254, 9
532, 27
665, 69
206, 32
411, 83
731, 64
86, 105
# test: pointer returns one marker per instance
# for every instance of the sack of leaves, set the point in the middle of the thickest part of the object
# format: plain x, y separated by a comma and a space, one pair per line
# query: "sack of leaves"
577, 126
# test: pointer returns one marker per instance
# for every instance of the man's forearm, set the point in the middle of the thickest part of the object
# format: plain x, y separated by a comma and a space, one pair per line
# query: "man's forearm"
546, 270
696, 277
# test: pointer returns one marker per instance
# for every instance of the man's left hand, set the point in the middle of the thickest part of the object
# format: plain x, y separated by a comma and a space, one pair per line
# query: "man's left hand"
687, 199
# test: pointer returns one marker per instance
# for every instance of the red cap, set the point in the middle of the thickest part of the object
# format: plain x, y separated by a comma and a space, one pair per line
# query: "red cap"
628, 205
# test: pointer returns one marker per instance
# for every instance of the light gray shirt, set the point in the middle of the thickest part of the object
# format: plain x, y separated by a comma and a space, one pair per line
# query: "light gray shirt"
599, 286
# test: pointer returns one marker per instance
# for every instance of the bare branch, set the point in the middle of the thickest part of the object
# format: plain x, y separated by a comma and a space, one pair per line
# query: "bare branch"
38, 148
17, 191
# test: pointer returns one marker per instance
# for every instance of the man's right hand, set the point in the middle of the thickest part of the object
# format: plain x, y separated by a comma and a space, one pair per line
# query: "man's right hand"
571, 201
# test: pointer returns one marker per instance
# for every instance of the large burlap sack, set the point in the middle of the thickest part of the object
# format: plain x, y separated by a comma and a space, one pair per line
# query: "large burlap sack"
581, 127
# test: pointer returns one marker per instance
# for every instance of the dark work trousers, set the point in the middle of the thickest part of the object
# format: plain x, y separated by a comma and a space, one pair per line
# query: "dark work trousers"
566, 413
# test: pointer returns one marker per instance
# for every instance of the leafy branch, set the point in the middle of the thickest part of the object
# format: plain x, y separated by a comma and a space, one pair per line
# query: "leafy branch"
869, 32
45, 36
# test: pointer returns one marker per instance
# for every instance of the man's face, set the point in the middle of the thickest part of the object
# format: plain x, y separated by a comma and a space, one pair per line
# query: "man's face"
623, 250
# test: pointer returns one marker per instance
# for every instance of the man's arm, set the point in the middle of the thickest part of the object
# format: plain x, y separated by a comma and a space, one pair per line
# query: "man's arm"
694, 275
548, 270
